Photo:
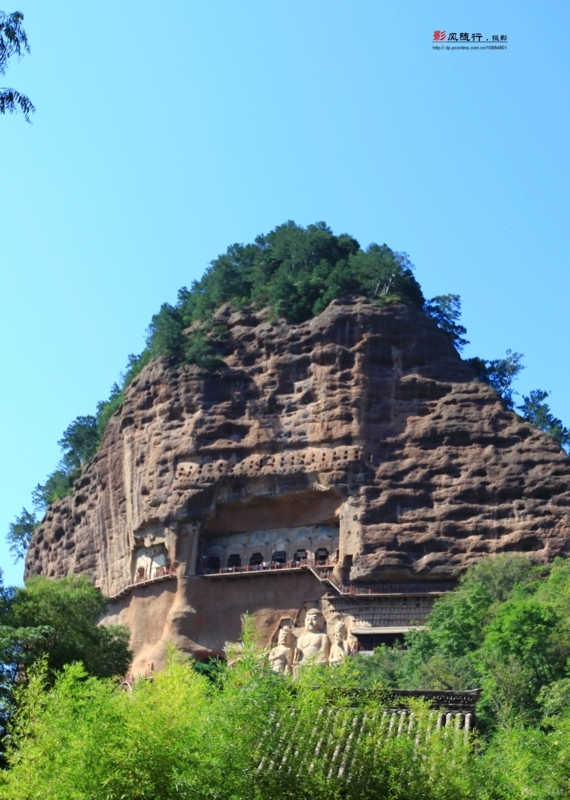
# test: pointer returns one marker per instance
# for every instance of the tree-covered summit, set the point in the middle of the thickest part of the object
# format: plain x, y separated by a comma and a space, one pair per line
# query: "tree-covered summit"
294, 271
297, 272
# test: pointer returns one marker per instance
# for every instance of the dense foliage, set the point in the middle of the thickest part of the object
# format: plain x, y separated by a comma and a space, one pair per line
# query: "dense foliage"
243, 732
247, 735
504, 629
294, 272
56, 620
66, 611
13, 42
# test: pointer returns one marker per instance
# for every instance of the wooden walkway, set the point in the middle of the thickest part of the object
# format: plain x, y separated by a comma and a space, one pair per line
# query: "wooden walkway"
146, 581
324, 572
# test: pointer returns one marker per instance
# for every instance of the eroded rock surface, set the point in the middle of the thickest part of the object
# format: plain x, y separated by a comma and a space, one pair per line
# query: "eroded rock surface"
360, 433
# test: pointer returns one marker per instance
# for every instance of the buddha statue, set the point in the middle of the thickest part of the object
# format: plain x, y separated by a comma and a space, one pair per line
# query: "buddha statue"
281, 656
313, 645
339, 648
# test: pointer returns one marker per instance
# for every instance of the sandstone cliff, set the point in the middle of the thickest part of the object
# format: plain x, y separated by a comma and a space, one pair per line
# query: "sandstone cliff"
361, 431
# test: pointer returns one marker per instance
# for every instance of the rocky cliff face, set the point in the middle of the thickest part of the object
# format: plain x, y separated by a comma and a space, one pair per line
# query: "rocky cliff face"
360, 435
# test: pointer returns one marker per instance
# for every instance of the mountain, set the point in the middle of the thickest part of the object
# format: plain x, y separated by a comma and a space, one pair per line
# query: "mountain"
357, 444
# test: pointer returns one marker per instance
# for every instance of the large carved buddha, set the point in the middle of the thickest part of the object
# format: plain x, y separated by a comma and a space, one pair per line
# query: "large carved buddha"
313, 645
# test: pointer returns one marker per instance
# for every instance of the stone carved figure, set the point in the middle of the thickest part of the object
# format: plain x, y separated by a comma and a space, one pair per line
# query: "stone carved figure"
313, 645
281, 656
339, 648
150, 560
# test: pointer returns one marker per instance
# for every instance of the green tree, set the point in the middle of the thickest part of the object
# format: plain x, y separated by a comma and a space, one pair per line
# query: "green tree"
20, 534
57, 485
79, 442
500, 374
504, 629
54, 620
248, 733
445, 310
7, 662
523, 628
106, 408
452, 654
537, 412
13, 42
57, 619
520, 654
164, 336
459, 618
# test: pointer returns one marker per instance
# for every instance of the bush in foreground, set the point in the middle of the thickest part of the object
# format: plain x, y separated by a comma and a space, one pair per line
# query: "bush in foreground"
251, 734
248, 734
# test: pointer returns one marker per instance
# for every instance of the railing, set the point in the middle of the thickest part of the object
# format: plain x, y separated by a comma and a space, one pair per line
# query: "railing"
324, 571
419, 588
351, 589
270, 566
156, 575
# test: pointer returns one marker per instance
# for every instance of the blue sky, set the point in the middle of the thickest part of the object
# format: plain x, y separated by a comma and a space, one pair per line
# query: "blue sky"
164, 133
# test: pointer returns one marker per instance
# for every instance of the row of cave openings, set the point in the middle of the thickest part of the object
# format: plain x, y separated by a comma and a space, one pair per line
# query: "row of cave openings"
213, 564
153, 562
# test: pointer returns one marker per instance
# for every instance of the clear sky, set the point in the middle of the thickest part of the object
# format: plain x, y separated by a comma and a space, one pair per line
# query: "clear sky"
165, 132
